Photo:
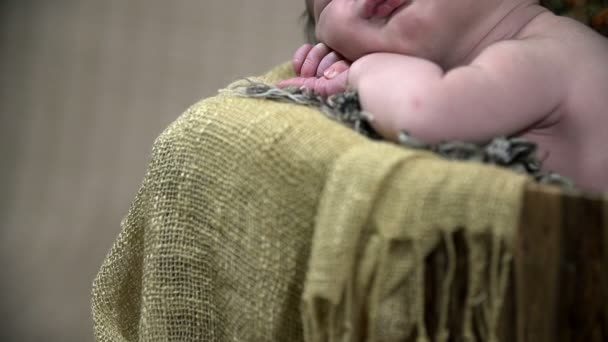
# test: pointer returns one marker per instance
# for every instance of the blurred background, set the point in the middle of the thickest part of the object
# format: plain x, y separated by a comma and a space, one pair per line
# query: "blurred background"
85, 88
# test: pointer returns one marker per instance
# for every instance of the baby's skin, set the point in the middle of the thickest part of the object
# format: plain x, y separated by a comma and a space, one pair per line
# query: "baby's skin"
469, 70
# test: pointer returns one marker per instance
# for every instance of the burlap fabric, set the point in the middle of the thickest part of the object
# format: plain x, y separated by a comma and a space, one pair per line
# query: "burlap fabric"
266, 221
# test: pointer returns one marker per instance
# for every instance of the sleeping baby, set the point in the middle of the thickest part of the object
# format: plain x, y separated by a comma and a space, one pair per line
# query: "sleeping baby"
468, 70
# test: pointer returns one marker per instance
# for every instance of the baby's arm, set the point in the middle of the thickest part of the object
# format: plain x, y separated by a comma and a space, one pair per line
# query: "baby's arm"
506, 90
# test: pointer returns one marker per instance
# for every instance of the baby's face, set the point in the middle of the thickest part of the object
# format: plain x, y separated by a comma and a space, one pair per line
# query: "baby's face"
423, 28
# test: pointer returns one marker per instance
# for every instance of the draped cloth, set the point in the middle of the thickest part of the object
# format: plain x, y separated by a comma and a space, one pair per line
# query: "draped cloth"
266, 221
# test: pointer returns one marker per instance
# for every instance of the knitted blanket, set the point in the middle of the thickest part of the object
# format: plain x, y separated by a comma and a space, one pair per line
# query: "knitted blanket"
266, 221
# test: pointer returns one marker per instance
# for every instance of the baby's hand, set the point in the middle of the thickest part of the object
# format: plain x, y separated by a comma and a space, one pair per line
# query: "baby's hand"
319, 69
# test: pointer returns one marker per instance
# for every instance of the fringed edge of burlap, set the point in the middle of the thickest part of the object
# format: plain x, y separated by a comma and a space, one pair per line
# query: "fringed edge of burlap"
487, 283
383, 267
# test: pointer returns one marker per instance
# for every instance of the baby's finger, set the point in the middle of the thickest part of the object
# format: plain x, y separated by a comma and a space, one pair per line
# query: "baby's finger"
337, 84
300, 56
327, 61
336, 69
296, 82
312, 60
310, 83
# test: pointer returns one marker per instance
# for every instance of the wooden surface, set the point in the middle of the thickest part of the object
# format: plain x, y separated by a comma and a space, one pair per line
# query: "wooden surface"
559, 287
561, 274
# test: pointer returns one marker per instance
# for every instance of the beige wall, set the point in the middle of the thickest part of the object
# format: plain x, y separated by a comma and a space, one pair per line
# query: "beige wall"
85, 87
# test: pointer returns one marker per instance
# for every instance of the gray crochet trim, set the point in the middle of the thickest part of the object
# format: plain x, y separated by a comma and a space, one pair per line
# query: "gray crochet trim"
517, 154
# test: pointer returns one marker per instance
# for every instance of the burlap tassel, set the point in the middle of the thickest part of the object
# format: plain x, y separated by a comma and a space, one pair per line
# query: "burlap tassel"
443, 333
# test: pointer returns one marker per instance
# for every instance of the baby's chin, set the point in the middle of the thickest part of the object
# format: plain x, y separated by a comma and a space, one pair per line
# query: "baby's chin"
353, 53
356, 44
353, 49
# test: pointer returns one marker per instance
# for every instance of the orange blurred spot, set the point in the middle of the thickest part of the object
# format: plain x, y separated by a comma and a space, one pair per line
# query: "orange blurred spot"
600, 20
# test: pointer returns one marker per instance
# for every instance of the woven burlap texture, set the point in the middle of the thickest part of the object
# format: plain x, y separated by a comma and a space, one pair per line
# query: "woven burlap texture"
265, 221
